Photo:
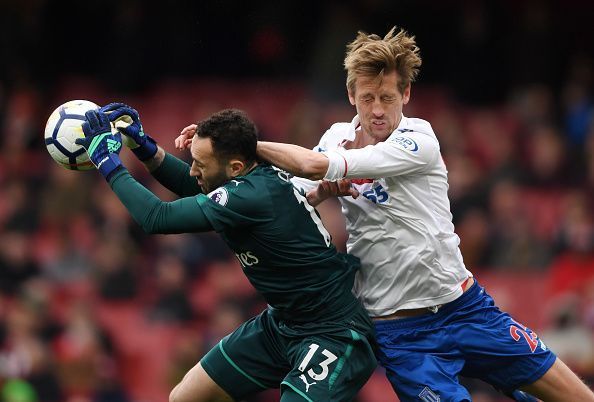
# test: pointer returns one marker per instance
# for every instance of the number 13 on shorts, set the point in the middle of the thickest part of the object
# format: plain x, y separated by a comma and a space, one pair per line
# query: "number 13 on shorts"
330, 358
331, 368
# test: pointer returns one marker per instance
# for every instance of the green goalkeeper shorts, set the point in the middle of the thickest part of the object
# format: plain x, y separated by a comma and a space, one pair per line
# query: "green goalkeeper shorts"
319, 361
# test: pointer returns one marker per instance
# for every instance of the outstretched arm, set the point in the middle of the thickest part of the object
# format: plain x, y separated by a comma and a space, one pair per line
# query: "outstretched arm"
294, 159
394, 157
309, 164
171, 172
174, 174
155, 216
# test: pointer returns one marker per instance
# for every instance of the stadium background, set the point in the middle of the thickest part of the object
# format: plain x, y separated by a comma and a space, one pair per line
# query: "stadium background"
91, 309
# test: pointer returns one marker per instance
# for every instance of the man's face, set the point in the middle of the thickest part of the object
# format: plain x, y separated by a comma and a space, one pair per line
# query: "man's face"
207, 170
379, 104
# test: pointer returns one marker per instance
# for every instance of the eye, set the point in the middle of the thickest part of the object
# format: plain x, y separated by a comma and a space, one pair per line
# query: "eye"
198, 164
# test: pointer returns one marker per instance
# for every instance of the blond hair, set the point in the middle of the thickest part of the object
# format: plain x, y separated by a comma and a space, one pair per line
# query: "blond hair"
373, 56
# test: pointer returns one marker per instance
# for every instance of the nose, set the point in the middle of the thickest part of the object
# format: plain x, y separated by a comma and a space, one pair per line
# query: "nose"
377, 108
194, 172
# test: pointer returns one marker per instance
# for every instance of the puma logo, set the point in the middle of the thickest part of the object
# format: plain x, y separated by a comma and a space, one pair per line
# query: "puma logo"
307, 385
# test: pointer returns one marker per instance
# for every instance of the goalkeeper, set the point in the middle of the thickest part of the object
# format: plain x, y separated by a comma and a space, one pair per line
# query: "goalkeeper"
314, 341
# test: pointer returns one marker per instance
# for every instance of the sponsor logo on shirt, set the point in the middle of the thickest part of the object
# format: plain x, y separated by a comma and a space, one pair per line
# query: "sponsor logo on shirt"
220, 196
406, 143
247, 259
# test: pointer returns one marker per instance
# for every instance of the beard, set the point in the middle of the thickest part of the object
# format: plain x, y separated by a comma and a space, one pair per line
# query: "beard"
212, 183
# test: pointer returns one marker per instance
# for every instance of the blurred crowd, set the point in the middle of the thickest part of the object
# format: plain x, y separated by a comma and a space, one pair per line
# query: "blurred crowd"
94, 310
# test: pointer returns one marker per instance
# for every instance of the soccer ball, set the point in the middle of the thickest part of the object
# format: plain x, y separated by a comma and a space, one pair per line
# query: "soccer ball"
62, 129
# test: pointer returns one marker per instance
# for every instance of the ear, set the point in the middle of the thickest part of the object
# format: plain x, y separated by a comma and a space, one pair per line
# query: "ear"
235, 167
406, 95
351, 97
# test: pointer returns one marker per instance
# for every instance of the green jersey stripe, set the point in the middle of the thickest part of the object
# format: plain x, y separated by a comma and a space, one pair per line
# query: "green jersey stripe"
231, 362
297, 390
355, 336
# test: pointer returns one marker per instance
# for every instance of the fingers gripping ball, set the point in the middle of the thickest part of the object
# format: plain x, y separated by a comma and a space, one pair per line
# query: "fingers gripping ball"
122, 123
127, 120
103, 147
63, 128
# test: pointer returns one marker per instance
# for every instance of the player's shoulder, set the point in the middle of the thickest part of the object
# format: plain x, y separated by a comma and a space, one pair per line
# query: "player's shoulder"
416, 137
415, 126
416, 129
337, 134
250, 188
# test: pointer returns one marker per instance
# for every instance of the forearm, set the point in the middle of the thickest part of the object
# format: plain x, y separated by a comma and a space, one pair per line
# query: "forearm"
294, 159
386, 159
174, 174
155, 216
156, 161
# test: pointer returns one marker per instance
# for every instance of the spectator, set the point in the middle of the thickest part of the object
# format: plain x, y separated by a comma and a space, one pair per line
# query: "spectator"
571, 339
513, 245
172, 303
113, 266
573, 266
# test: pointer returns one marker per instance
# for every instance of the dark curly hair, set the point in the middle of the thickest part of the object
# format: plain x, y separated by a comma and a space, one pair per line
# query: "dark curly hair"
232, 134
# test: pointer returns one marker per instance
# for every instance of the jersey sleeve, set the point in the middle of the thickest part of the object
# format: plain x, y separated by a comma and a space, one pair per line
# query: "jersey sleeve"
156, 216
174, 175
399, 155
303, 184
234, 205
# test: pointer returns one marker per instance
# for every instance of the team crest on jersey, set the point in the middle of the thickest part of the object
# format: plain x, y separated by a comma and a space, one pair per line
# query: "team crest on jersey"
220, 196
406, 143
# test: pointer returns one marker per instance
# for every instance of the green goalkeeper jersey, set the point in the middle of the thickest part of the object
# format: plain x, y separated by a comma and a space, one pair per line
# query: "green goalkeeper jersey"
279, 239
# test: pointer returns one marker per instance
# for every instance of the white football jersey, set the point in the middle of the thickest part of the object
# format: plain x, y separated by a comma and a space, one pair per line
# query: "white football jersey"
401, 225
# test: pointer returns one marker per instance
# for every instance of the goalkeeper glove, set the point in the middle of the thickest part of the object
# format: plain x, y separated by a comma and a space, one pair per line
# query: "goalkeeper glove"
101, 145
127, 121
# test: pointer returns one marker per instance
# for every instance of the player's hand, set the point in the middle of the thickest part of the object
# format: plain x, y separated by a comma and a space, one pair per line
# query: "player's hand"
127, 120
327, 189
184, 140
101, 145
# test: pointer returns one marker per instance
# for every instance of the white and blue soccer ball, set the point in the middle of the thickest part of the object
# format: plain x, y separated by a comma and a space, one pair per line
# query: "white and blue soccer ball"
62, 129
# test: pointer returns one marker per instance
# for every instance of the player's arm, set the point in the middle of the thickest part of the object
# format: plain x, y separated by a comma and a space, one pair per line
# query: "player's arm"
171, 172
307, 166
174, 174
393, 157
154, 215
294, 159
396, 156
